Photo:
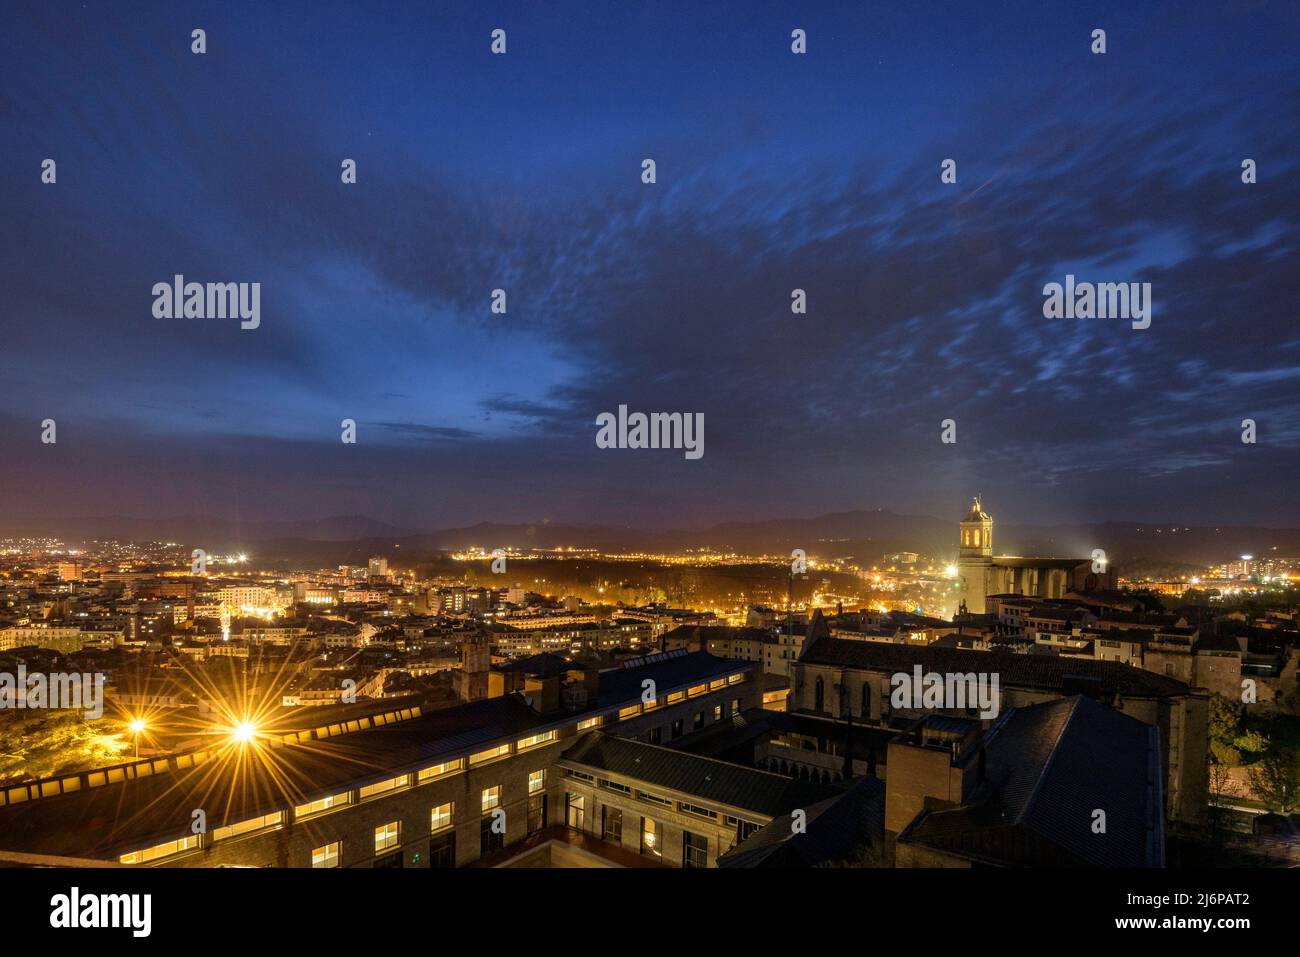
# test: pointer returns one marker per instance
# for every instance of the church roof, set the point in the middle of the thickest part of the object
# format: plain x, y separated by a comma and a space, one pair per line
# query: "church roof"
976, 514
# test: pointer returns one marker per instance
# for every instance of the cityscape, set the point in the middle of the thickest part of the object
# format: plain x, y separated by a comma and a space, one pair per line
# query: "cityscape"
447, 444
505, 705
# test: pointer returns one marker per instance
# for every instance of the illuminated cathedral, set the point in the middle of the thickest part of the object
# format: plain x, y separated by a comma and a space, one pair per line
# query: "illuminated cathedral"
980, 574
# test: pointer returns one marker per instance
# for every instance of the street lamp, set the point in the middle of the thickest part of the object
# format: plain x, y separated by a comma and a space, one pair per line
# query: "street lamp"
137, 726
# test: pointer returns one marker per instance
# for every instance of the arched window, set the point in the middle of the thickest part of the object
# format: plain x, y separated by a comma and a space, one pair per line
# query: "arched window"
866, 699
819, 701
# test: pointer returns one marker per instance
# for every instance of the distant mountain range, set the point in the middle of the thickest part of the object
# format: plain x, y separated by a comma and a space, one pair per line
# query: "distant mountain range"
862, 534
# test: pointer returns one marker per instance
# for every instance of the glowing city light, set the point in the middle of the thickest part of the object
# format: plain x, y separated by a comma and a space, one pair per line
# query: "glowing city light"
137, 725
244, 732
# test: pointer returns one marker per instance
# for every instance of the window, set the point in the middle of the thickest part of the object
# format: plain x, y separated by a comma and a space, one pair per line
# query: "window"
743, 828
536, 781
327, 856
699, 721
489, 755
735, 679
866, 699
717, 712
611, 824
819, 696
655, 735
321, 805
614, 786
491, 797
441, 816
535, 740
245, 827
654, 798
589, 723
388, 835
677, 728
676, 696
166, 849
383, 787
438, 770
575, 811
696, 809
631, 712
442, 851
651, 838
697, 691
695, 850
735, 706
536, 812
491, 836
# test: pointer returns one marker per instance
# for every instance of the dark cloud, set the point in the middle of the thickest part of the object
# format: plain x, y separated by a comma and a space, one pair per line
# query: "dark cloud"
774, 174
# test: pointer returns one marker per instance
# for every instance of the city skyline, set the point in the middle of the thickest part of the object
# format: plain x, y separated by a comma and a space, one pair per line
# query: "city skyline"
775, 172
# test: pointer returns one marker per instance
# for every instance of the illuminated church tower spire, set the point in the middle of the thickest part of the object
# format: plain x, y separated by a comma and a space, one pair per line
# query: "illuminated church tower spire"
974, 559
976, 533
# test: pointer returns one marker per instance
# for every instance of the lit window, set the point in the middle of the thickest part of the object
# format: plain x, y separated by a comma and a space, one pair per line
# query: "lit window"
327, 856
441, 816
388, 835
697, 691
732, 679
489, 755
631, 712
383, 787
676, 696
245, 827
491, 797
535, 740
536, 781
438, 770
165, 849
323, 804
589, 723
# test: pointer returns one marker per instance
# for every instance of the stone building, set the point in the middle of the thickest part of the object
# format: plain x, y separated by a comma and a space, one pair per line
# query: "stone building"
981, 574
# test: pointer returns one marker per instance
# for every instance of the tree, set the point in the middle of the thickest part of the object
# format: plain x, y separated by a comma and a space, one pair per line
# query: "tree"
1223, 790
1276, 780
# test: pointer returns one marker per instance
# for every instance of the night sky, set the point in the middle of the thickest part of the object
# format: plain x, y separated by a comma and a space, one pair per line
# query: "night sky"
775, 171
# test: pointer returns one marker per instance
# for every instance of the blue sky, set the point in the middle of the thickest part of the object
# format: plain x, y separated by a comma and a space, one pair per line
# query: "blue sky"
775, 171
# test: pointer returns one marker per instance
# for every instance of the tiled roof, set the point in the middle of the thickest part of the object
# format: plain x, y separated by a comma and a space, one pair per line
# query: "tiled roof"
1049, 768
836, 829
719, 782
625, 684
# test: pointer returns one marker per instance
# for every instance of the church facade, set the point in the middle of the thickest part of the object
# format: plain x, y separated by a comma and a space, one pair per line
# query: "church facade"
980, 574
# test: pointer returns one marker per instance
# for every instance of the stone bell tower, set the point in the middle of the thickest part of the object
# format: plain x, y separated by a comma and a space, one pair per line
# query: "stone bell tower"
975, 558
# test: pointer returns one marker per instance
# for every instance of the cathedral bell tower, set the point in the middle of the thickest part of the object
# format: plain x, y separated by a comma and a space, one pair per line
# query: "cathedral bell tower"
976, 533
975, 558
